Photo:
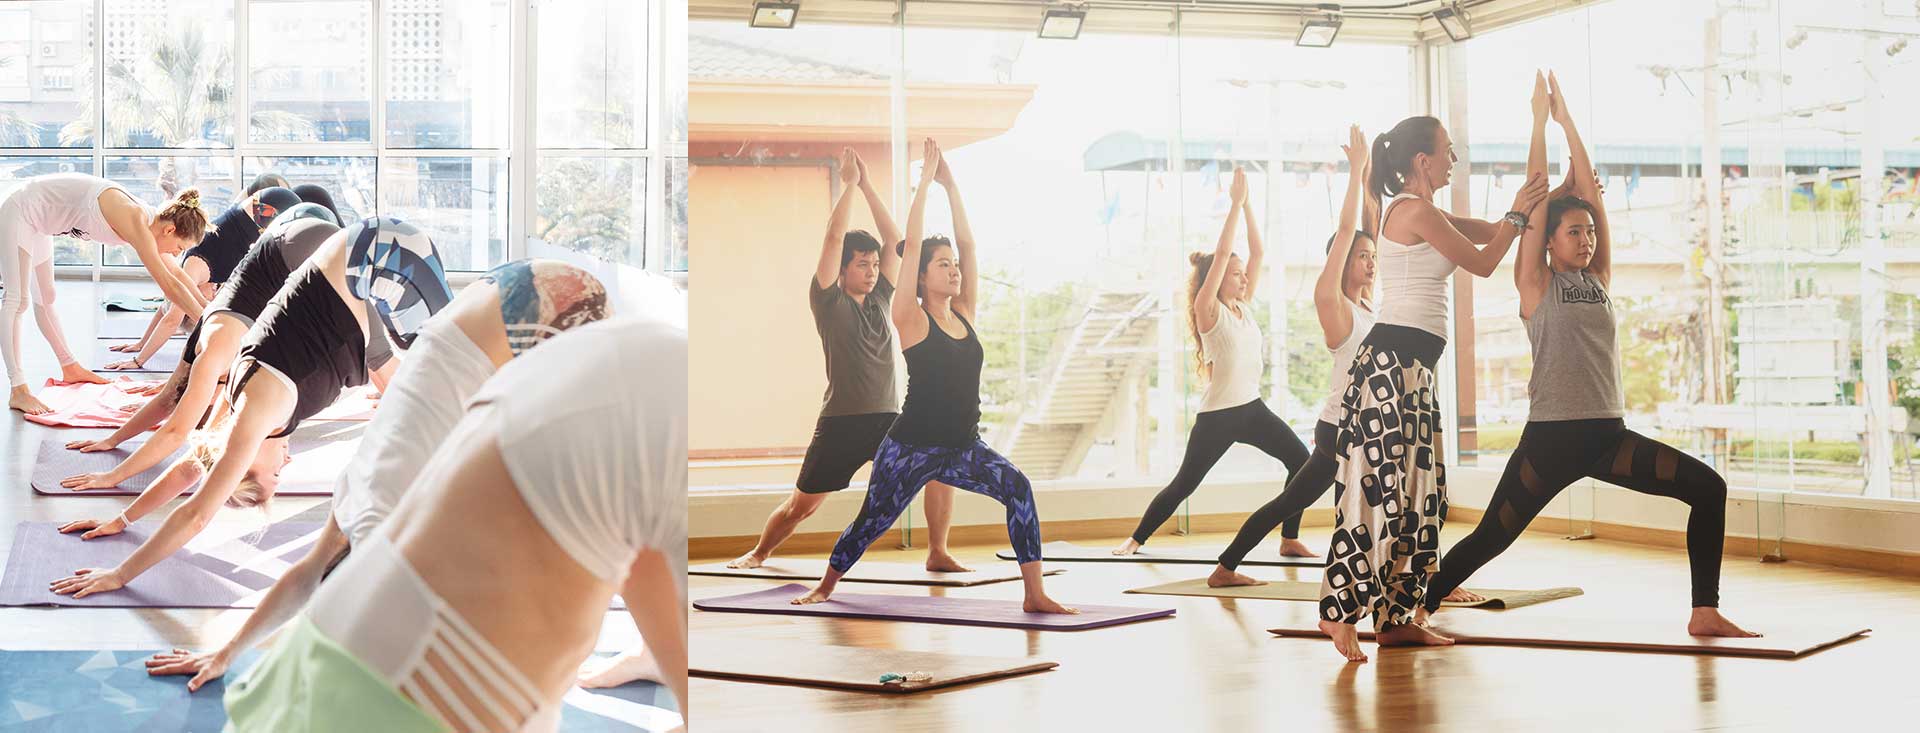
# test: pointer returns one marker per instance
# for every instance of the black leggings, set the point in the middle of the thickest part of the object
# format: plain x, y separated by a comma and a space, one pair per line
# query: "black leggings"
1214, 431
1552, 455
1305, 487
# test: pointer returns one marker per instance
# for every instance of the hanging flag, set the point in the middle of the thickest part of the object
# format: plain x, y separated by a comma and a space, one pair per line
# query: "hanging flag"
1633, 182
1210, 175
1111, 210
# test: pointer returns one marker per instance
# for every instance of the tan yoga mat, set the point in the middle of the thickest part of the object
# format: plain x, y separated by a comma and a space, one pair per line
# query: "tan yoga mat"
1305, 590
900, 573
845, 667
1664, 635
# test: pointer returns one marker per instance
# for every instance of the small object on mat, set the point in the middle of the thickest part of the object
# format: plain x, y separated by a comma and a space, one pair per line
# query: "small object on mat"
1662, 635
899, 573
96, 691
162, 362
89, 405
845, 667
1265, 555
1309, 590
315, 466
926, 609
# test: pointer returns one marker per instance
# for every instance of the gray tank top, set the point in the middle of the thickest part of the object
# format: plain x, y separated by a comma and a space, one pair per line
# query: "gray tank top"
1576, 360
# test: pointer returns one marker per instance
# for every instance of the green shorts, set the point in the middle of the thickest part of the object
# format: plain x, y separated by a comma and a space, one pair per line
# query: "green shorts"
309, 683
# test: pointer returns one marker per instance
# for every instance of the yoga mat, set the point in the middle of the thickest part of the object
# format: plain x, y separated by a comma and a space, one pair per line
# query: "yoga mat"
130, 304
926, 609
867, 572
315, 466
222, 568
1664, 635
88, 405
93, 691
1303, 590
132, 327
162, 361
1264, 555
846, 668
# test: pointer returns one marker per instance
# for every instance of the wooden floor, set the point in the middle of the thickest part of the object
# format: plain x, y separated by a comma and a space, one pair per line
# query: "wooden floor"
1213, 667
113, 628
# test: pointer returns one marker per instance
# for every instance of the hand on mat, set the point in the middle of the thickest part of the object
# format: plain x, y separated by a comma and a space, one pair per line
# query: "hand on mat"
89, 482
86, 582
204, 666
122, 365
76, 374
619, 669
147, 390
94, 528
92, 446
128, 347
1462, 595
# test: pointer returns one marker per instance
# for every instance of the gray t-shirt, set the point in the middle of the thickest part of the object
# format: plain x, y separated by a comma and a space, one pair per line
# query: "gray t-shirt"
858, 342
1576, 360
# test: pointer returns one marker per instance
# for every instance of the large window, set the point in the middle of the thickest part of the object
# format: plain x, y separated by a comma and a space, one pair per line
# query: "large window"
402, 107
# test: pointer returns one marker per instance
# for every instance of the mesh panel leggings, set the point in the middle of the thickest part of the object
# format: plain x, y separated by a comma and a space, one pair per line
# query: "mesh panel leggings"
1305, 487
899, 470
1553, 455
1213, 433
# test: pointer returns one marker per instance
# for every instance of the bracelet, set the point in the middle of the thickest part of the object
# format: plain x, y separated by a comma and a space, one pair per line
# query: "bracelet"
123, 520
1517, 219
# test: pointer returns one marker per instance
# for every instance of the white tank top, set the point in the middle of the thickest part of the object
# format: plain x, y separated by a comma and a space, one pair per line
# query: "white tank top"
1235, 350
1413, 281
1343, 360
64, 205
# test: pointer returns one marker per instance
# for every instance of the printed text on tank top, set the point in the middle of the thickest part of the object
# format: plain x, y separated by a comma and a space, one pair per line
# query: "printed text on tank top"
1585, 292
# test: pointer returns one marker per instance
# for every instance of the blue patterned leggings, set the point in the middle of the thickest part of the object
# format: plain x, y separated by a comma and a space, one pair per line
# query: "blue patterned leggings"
900, 470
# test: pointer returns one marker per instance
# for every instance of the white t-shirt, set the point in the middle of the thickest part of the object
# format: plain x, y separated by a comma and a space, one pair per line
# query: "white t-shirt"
1343, 361
1413, 281
1236, 351
63, 205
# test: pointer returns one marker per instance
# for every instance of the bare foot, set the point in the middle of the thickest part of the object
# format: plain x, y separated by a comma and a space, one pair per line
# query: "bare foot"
1707, 621
1039, 603
23, 400
1346, 640
1296, 548
76, 373
619, 669
1462, 595
1410, 635
945, 563
1127, 549
746, 561
1224, 578
813, 596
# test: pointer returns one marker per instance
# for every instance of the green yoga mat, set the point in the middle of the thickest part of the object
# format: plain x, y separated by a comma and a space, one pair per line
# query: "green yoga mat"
1304, 590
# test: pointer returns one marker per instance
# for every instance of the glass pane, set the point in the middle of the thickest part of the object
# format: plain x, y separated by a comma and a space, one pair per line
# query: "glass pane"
447, 76
311, 76
14, 169
593, 74
169, 73
46, 74
154, 180
349, 179
595, 206
460, 202
677, 214
676, 43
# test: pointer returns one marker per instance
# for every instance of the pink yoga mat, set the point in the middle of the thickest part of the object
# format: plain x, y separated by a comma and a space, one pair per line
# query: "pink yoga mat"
84, 405
928, 609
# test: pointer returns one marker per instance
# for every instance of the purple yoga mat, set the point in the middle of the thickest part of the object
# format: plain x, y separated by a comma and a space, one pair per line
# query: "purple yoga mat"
230, 574
316, 463
163, 361
928, 609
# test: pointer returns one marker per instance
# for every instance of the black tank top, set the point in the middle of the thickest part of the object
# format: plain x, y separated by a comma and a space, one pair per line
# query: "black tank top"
943, 389
223, 248
309, 334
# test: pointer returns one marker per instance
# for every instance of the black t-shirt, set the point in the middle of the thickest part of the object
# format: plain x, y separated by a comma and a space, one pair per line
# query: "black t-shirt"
310, 335
222, 249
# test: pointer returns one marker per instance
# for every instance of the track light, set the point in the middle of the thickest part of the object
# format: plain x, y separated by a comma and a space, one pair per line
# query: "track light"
1318, 32
1453, 20
1799, 36
772, 14
1897, 47
1062, 23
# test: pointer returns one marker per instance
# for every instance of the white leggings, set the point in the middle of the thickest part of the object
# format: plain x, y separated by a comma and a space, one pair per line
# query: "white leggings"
15, 264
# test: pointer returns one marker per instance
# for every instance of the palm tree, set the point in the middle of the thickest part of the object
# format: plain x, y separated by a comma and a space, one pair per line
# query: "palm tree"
16, 131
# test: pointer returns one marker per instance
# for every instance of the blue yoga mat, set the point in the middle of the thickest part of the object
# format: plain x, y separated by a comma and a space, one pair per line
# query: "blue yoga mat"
110, 691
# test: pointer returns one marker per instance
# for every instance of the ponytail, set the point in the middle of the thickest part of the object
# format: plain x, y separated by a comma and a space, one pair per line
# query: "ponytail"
1201, 263
183, 212
1393, 153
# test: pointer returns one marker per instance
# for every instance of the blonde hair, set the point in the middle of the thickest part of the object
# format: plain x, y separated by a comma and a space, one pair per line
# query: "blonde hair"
202, 448
184, 213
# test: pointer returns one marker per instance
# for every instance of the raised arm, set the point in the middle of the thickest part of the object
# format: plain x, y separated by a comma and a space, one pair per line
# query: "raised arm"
283, 601
1478, 231
1530, 273
1430, 225
1206, 302
1256, 248
1586, 183
882, 220
1329, 296
827, 271
962, 241
906, 307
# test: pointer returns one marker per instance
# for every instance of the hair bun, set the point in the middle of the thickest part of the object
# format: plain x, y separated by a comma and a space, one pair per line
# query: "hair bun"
189, 197
1193, 258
